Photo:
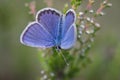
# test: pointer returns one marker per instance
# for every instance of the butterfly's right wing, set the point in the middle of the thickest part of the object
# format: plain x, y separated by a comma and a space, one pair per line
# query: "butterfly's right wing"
35, 35
70, 38
68, 30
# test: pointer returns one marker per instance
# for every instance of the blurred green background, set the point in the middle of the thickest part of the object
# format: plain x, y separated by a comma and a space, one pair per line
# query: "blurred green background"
18, 62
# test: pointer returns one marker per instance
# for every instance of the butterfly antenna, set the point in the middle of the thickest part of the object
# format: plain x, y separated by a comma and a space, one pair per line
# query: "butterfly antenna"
64, 58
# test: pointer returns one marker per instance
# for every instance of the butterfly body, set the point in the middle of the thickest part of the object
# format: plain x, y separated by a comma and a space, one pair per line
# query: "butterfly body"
51, 29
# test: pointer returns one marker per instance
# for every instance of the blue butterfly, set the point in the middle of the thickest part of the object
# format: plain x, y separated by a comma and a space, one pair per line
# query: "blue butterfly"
51, 29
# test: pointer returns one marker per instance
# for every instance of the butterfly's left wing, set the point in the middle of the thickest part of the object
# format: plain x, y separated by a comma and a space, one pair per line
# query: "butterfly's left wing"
68, 30
50, 19
42, 32
35, 35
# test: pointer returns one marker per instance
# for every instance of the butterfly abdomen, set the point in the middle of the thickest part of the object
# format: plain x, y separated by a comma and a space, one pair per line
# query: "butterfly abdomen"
59, 33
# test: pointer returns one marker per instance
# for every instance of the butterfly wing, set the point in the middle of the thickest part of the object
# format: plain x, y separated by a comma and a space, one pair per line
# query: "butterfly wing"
69, 30
69, 38
50, 19
35, 35
42, 33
